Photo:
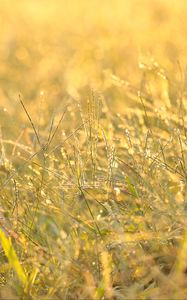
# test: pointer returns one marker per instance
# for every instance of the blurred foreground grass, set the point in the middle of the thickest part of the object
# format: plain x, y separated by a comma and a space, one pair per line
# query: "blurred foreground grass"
93, 149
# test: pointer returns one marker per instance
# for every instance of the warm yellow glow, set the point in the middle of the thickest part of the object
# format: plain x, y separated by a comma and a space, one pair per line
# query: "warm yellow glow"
72, 44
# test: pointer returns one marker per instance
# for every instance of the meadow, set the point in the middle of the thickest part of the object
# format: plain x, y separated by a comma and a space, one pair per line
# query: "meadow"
93, 149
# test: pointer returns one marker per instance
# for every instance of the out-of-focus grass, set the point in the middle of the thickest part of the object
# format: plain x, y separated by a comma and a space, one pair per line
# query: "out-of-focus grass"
93, 149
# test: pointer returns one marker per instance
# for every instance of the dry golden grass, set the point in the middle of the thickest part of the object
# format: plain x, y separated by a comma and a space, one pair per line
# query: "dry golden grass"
93, 149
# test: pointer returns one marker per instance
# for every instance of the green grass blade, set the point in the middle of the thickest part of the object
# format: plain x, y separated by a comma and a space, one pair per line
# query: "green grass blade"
12, 257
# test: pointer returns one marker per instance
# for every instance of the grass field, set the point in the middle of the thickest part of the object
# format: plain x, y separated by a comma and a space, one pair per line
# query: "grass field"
93, 149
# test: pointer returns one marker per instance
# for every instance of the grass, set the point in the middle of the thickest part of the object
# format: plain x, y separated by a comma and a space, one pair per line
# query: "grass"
93, 151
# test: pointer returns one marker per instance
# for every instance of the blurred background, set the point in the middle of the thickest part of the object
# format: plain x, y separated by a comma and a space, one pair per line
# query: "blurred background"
56, 49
